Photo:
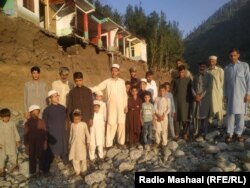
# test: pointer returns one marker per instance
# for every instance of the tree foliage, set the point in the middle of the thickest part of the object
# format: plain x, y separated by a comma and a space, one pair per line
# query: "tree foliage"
163, 37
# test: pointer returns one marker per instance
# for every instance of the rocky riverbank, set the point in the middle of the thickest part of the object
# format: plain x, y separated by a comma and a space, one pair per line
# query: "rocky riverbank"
210, 154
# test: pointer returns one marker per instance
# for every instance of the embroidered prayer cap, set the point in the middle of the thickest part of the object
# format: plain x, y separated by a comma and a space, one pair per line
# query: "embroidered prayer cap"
52, 92
144, 80
115, 66
77, 112
99, 93
34, 107
212, 57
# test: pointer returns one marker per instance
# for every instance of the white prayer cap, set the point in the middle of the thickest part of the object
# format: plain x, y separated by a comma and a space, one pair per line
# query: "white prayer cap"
212, 57
96, 102
34, 107
115, 66
144, 80
99, 93
52, 92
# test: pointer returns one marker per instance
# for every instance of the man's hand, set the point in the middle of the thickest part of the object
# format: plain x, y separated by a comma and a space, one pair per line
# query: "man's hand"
125, 110
247, 98
26, 115
90, 122
225, 99
17, 144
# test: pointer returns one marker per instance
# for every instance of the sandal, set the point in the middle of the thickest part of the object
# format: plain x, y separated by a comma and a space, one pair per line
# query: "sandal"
228, 139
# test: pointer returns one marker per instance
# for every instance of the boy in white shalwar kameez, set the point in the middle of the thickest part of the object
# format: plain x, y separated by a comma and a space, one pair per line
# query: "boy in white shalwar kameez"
97, 131
162, 109
79, 142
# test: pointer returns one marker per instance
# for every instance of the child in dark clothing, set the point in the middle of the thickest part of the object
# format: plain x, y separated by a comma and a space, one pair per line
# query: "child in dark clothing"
35, 139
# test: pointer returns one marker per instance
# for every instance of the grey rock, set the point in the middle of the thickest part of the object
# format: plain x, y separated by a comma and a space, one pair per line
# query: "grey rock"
179, 153
245, 157
222, 157
210, 149
121, 156
226, 166
102, 184
112, 152
95, 177
7, 184
135, 154
247, 144
246, 167
215, 169
167, 152
236, 146
126, 166
212, 135
223, 146
172, 145
24, 168
105, 166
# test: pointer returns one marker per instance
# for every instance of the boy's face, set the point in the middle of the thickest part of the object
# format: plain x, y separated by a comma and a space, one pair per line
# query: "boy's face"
35, 75
133, 74
134, 92
6, 119
162, 92
99, 97
77, 119
143, 85
167, 88
35, 113
55, 98
96, 108
182, 73
79, 82
114, 72
128, 87
147, 98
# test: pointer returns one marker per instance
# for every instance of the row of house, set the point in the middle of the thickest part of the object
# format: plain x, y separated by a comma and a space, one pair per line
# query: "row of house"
64, 17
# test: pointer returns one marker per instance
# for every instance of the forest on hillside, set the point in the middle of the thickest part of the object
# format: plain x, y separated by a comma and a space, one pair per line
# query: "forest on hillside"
227, 28
163, 37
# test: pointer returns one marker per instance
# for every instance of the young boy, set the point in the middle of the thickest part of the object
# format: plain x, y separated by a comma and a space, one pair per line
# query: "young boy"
9, 140
81, 98
97, 132
103, 106
147, 116
143, 90
79, 135
35, 140
162, 109
133, 126
171, 115
55, 119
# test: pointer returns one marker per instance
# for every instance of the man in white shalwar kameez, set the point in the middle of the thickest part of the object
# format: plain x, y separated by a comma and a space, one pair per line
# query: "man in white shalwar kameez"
217, 90
97, 131
116, 106
237, 94
151, 85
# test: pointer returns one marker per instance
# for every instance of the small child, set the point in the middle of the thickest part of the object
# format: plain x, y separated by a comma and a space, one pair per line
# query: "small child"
97, 132
147, 115
9, 140
133, 127
35, 140
162, 109
171, 115
103, 106
79, 134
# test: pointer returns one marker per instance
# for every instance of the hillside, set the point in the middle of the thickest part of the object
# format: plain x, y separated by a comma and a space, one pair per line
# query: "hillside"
227, 28
23, 45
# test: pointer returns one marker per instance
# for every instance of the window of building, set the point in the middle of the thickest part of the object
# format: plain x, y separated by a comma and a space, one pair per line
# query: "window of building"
29, 4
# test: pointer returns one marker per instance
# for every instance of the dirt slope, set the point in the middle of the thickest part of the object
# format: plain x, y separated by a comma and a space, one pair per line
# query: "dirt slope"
23, 45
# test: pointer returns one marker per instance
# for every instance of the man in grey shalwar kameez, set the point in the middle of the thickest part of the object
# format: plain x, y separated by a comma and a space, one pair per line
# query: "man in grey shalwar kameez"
236, 94
201, 89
